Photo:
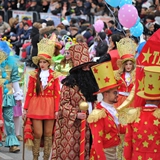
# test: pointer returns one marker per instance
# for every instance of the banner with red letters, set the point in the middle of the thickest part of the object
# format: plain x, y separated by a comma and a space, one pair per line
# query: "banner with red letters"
149, 56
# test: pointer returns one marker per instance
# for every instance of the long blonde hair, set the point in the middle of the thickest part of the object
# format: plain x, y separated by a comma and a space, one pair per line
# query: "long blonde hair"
122, 68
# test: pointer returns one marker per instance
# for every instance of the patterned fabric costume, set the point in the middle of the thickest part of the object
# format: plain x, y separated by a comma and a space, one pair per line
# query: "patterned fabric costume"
67, 139
67, 132
142, 139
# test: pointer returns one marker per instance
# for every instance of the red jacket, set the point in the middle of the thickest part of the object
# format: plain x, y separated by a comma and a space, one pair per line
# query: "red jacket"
142, 139
52, 89
105, 134
123, 87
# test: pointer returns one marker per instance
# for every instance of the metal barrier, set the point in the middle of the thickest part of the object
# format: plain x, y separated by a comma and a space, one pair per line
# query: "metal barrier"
34, 16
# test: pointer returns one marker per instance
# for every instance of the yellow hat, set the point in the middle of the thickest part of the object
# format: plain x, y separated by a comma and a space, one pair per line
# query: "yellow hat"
104, 76
151, 83
46, 48
126, 48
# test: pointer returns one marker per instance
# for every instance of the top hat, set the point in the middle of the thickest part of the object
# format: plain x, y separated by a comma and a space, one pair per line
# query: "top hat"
126, 48
151, 83
104, 76
80, 56
46, 49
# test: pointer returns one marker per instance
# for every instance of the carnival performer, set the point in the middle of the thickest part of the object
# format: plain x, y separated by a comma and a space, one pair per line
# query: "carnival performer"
103, 120
42, 99
9, 74
142, 139
78, 87
1, 116
126, 73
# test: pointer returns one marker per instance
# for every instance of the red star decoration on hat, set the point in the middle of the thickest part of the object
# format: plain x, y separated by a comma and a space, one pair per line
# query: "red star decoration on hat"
95, 70
99, 79
106, 66
150, 86
150, 75
106, 80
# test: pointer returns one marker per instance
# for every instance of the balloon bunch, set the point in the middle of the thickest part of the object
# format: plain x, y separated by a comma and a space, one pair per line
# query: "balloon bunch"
128, 16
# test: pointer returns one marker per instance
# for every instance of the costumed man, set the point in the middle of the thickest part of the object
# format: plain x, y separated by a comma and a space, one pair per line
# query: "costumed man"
142, 139
77, 87
103, 120
9, 74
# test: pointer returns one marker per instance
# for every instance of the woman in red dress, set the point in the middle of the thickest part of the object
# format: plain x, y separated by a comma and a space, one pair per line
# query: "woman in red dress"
126, 73
42, 99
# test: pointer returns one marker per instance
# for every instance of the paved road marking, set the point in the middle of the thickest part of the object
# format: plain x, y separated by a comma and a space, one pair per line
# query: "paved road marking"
3, 156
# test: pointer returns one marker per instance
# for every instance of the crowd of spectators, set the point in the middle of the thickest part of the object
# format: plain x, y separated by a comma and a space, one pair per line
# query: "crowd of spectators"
80, 28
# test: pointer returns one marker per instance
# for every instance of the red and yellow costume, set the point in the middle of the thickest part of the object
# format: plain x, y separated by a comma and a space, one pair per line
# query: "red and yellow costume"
46, 104
126, 49
142, 140
103, 120
124, 89
105, 132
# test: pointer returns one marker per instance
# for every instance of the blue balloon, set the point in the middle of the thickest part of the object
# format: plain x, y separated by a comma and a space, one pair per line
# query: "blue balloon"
123, 2
113, 3
137, 30
137, 22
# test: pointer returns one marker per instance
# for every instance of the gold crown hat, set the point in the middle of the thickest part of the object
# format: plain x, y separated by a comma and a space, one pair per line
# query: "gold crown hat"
126, 48
46, 49
104, 76
151, 83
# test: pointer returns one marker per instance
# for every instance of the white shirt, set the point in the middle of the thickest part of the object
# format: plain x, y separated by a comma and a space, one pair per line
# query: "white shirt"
110, 108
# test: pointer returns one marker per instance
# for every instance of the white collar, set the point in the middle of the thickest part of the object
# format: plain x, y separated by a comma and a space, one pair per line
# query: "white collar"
110, 108
44, 77
151, 105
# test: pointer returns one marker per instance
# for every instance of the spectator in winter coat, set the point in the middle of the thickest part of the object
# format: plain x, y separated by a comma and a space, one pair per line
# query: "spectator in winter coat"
34, 6
102, 46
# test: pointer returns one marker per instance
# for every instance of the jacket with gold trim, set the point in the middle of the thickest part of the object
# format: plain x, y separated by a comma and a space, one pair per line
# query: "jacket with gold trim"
46, 103
104, 130
142, 140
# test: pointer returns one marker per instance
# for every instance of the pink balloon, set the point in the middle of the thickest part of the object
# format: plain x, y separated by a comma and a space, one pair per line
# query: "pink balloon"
128, 15
99, 25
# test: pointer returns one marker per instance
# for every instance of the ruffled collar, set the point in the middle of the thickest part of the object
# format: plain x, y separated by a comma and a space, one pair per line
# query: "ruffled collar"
44, 77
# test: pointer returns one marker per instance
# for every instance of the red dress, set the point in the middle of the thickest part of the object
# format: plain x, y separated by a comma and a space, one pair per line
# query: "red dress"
124, 89
46, 104
105, 134
142, 139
